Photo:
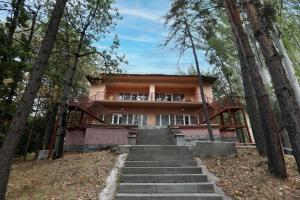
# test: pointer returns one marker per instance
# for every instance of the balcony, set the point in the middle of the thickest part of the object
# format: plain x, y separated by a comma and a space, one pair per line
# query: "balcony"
146, 98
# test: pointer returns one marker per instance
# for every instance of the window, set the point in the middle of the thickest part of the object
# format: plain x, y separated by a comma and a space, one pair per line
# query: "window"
127, 96
176, 97
124, 119
182, 119
121, 95
116, 119
130, 119
142, 97
168, 97
133, 96
187, 119
163, 120
178, 119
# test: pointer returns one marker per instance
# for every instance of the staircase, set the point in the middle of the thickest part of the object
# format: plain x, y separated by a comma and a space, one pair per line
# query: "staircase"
90, 106
154, 136
163, 172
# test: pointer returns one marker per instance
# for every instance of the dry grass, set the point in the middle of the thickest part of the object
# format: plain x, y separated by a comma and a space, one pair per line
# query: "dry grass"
75, 176
246, 177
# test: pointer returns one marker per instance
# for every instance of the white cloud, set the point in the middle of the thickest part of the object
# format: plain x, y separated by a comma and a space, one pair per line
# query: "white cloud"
142, 38
145, 14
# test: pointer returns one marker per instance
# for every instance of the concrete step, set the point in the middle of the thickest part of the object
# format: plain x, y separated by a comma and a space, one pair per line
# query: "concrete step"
171, 163
159, 136
162, 170
168, 196
157, 157
157, 147
171, 152
166, 188
163, 178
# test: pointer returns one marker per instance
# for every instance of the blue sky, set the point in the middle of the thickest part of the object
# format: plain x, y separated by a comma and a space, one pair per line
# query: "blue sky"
141, 31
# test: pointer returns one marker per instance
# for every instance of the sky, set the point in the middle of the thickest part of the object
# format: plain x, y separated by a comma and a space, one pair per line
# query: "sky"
141, 32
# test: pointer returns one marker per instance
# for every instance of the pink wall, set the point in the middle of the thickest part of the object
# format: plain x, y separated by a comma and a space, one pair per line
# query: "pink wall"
74, 137
106, 136
199, 131
228, 133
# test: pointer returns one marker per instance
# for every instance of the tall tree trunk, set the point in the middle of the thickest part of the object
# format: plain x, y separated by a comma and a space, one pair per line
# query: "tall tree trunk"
51, 116
276, 164
15, 132
251, 103
201, 85
284, 92
287, 63
59, 142
31, 130
257, 52
252, 107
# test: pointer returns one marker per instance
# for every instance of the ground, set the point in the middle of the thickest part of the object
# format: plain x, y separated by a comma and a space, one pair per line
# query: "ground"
246, 177
75, 176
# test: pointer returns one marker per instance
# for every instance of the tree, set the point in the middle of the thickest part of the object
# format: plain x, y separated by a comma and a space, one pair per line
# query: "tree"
273, 60
93, 17
221, 51
276, 164
12, 139
180, 30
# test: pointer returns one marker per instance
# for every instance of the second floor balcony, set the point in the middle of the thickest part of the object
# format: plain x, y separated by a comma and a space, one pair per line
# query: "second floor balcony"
152, 97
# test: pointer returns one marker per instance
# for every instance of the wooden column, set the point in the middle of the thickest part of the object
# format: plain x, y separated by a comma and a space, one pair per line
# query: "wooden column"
246, 126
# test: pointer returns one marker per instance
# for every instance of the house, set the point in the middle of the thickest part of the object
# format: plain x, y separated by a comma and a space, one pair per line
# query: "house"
121, 104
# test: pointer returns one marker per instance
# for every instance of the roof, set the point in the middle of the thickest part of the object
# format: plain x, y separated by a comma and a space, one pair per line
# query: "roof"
92, 80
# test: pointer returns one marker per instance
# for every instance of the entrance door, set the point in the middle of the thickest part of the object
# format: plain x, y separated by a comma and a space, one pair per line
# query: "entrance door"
187, 119
164, 120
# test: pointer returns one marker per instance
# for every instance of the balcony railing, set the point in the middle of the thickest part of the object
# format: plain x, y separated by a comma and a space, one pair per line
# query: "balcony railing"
143, 96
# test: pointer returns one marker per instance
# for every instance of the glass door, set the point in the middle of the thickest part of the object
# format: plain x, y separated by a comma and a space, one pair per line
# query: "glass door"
187, 119
164, 120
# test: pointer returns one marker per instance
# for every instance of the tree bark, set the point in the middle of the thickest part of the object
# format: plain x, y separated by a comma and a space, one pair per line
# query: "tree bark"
284, 92
31, 130
51, 116
276, 164
59, 142
201, 85
287, 63
252, 107
12, 139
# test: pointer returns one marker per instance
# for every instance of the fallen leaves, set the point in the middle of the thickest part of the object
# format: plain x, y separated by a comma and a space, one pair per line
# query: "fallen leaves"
246, 177
75, 176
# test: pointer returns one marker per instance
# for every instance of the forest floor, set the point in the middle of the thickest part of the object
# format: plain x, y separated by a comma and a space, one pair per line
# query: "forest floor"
246, 177
75, 176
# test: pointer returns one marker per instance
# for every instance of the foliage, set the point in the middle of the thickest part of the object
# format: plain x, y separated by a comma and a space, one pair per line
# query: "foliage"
16, 62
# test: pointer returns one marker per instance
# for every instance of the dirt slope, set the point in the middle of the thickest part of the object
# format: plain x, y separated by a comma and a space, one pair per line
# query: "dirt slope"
76, 176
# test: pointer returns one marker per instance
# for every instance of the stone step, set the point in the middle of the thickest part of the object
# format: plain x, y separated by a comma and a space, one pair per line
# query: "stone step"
170, 152
168, 196
166, 188
157, 147
158, 157
163, 178
162, 170
154, 136
172, 163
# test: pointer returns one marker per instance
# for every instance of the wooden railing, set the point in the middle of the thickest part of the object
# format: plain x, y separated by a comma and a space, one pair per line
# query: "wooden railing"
215, 107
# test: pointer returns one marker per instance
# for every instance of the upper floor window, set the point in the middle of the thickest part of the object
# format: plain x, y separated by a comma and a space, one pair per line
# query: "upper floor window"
168, 97
133, 96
